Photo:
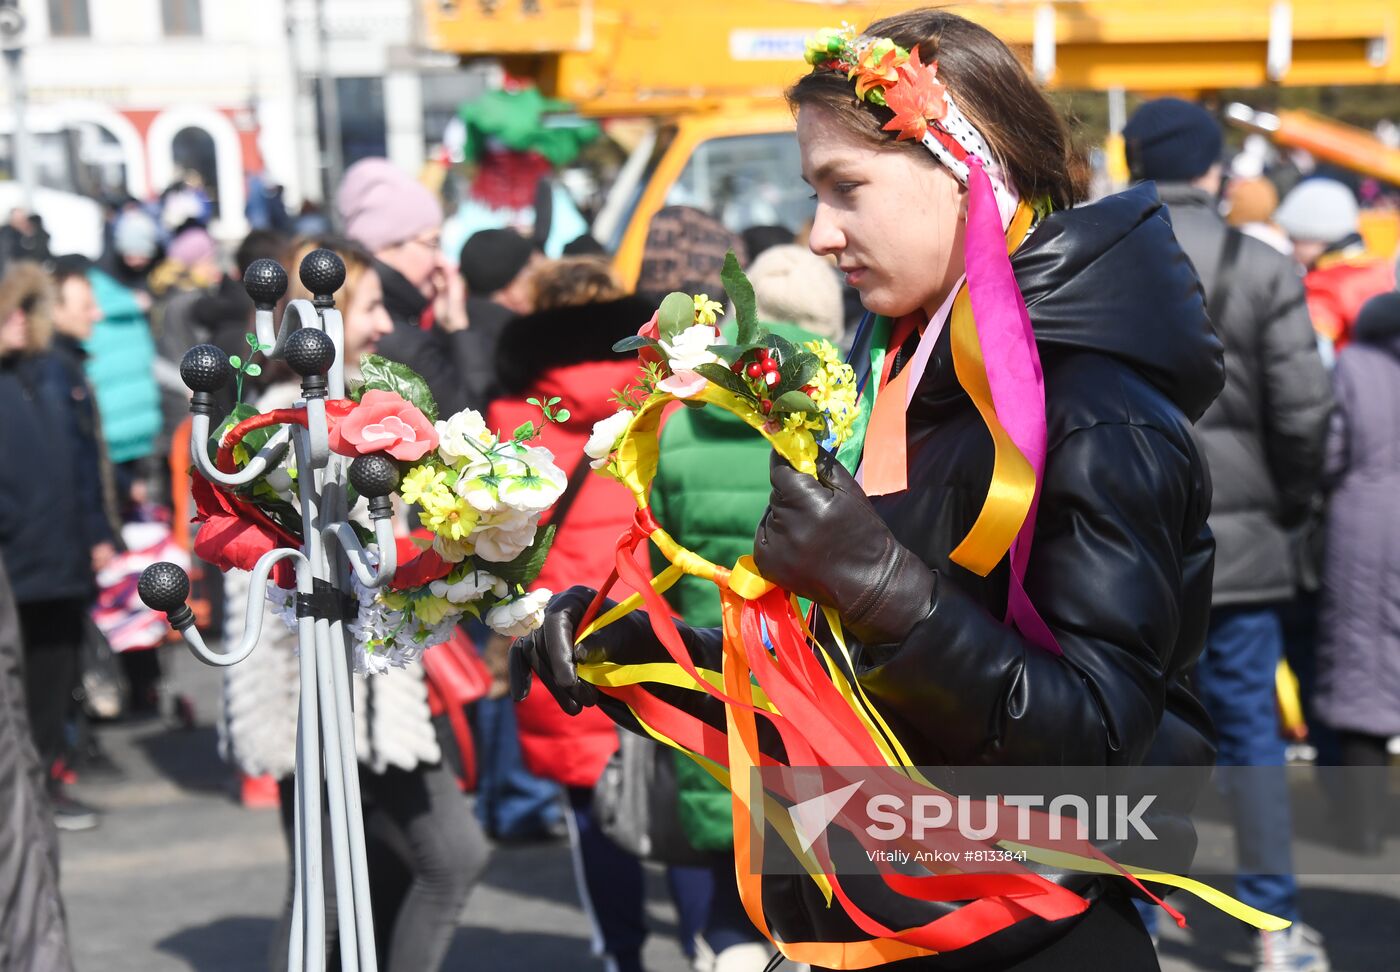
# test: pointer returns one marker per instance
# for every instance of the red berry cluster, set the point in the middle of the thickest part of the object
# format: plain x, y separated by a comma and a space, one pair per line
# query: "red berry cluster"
761, 368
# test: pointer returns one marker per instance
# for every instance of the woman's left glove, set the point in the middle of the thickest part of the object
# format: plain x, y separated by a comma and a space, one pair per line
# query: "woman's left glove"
822, 540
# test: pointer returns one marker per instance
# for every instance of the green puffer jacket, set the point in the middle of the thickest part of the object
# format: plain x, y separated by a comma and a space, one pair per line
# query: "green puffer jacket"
710, 491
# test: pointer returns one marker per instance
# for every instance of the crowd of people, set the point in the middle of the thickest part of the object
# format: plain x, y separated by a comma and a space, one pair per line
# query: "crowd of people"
1302, 447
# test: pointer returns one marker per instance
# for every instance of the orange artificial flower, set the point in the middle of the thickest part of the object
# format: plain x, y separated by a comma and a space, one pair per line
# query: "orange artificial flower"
916, 99
877, 67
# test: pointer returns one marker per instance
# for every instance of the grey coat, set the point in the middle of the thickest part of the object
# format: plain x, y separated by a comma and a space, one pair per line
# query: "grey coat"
1358, 664
33, 932
1263, 437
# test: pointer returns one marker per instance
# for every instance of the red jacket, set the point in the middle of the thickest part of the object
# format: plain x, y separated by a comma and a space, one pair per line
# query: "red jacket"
1337, 287
568, 353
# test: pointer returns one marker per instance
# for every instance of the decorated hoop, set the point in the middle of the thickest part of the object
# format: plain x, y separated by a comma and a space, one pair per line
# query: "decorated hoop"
775, 669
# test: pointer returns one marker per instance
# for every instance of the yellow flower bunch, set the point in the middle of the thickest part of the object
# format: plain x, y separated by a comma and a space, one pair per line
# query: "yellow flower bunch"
448, 515
834, 390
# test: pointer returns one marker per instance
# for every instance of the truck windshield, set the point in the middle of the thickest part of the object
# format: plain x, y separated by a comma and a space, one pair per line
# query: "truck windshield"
747, 180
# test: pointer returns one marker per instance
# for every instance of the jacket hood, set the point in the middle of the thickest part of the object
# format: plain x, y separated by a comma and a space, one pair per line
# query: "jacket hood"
1378, 322
1111, 278
567, 351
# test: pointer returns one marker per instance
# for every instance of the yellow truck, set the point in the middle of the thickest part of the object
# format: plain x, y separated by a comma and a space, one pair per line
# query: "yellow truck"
711, 75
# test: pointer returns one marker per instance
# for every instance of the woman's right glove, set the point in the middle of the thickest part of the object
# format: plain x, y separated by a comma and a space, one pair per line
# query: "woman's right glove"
550, 652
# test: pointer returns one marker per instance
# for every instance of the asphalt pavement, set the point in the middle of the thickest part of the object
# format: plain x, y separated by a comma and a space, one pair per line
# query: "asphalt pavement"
180, 877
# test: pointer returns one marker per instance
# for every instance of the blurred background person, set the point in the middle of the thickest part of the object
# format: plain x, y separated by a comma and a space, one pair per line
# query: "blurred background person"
1250, 204
710, 491
1263, 440
50, 508
416, 819
1322, 220
564, 350
22, 238
1358, 670
399, 221
32, 922
136, 249
498, 267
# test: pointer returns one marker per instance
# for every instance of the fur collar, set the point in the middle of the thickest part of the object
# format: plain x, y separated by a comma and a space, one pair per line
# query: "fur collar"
539, 342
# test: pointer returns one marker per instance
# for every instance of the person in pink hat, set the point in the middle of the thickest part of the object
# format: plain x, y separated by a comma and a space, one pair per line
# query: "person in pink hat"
399, 221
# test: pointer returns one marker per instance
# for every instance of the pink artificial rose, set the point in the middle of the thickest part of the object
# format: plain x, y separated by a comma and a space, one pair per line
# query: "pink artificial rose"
651, 330
384, 422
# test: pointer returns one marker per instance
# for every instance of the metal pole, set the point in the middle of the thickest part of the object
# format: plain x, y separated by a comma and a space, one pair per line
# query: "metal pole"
330, 105
21, 144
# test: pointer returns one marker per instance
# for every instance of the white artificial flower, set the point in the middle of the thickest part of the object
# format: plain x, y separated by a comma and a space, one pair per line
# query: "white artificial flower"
534, 486
480, 487
502, 538
691, 348
463, 436
452, 551
518, 617
605, 434
470, 588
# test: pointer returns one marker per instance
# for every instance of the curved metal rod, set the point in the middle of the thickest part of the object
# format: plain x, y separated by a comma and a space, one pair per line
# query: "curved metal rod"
344, 534
267, 457
318, 434
302, 313
253, 612
334, 326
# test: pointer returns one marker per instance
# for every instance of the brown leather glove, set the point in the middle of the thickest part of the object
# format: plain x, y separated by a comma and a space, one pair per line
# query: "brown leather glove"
822, 540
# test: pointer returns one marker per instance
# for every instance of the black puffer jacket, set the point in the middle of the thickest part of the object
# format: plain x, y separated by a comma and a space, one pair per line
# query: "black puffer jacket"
1120, 568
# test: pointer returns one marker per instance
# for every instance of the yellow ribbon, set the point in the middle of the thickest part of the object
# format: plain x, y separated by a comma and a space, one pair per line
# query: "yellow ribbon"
1012, 487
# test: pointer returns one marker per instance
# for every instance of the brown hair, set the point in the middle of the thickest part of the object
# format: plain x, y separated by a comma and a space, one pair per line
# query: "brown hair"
992, 88
573, 282
27, 288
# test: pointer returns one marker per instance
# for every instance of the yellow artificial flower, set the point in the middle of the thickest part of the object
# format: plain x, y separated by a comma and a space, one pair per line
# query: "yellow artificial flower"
825, 44
422, 482
834, 390
707, 311
448, 515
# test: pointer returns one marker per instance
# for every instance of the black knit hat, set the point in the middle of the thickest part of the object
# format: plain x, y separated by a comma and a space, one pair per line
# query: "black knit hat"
1171, 140
492, 258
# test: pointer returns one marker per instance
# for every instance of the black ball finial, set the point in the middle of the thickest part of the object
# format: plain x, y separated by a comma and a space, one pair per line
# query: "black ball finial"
163, 587
205, 368
322, 272
309, 352
374, 476
265, 282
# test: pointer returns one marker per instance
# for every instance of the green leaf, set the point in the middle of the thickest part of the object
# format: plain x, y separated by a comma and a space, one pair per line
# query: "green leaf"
740, 292
733, 352
634, 343
355, 390
235, 361
726, 379
677, 312
523, 431
252, 340
385, 375
795, 401
532, 401
526, 567
253, 370
554, 401
562, 415
264, 347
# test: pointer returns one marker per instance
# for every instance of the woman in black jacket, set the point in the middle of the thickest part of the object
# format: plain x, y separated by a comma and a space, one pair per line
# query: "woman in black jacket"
1120, 566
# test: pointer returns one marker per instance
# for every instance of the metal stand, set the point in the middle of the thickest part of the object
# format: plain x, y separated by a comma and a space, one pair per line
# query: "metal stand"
310, 340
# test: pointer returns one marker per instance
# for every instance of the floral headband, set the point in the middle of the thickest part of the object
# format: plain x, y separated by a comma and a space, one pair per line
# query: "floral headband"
886, 74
